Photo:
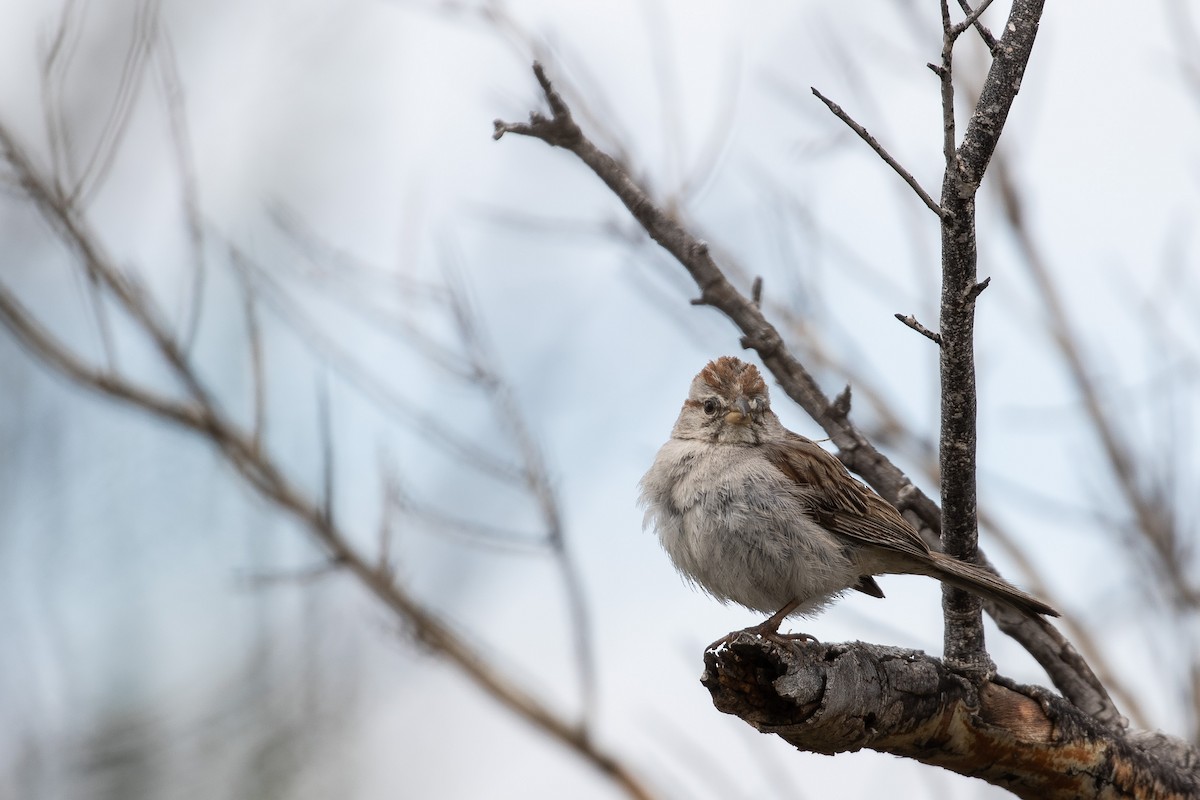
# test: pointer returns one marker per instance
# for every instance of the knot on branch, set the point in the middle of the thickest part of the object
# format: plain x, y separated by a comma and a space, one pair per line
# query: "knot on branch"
975, 290
765, 341
839, 409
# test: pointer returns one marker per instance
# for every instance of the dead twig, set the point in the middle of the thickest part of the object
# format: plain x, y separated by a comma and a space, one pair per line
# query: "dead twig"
874, 144
912, 322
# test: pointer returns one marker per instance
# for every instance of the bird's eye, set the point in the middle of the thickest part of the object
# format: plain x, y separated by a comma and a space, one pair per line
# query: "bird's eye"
710, 406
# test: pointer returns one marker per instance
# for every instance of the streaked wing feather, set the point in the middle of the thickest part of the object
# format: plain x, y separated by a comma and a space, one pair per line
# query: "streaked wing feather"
844, 506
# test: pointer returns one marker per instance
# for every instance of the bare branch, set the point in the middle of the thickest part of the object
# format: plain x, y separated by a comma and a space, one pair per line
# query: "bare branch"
964, 168
972, 18
911, 322
559, 130
1021, 738
262, 580
254, 338
325, 433
145, 29
185, 164
54, 63
99, 311
881, 152
999, 91
42, 344
945, 73
389, 506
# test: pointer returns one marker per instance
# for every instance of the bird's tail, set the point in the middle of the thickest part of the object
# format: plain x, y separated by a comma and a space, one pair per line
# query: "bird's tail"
983, 583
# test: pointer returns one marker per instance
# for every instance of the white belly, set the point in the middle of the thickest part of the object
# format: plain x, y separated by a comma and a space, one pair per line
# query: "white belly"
736, 526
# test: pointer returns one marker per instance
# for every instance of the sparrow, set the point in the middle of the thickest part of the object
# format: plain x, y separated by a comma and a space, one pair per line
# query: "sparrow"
755, 514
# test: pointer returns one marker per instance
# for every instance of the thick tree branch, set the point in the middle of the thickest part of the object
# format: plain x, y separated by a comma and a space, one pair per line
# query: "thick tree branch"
838, 698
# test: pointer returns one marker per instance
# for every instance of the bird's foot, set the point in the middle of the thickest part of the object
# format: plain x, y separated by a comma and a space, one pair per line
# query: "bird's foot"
770, 630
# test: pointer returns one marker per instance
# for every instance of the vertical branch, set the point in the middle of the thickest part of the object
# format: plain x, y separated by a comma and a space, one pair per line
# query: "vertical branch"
965, 166
254, 337
945, 73
964, 644
171, 86
94, 172
325, 430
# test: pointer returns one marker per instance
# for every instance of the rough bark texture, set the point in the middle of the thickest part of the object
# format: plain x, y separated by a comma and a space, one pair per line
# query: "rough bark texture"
836, 698
965, 166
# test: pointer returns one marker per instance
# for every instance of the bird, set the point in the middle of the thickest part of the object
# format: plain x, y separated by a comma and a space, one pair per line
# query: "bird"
757, 515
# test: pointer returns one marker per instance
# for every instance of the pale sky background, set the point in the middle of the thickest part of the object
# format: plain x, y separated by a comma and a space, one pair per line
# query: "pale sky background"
133, 631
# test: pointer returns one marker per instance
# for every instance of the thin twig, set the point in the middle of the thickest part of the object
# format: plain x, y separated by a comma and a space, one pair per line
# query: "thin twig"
325, 434
388, 509
254, 340
171, 86
145, 28
41, 343
54, 65
912, 322
881, 151
262, 580
984, 33
971, 19
945, 73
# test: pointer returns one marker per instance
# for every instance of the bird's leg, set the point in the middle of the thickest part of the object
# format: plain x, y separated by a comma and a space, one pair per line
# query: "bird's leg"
769, 629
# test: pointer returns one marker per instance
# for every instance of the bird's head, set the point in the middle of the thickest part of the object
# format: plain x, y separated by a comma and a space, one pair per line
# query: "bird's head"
728, 402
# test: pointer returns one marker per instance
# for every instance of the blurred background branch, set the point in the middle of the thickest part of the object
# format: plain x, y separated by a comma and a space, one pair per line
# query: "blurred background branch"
259, 200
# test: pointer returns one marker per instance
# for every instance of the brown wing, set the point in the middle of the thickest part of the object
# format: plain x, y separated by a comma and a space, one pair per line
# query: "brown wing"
843, 505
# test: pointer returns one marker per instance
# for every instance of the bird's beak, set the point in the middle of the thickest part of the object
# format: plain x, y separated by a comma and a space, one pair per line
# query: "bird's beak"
740, 414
